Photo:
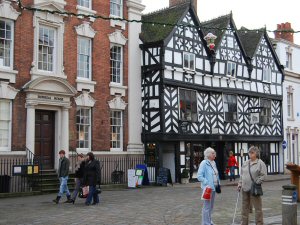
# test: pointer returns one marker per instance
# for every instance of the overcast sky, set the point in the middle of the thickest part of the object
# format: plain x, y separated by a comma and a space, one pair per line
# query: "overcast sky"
252, 14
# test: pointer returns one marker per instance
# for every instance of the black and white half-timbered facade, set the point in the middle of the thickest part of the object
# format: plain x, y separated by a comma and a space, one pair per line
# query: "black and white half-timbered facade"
228, 97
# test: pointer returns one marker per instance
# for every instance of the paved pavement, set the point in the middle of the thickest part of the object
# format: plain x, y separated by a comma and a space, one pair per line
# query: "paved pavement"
178, 205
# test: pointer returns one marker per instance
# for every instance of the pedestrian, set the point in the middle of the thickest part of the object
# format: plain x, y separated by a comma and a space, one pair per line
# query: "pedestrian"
258, 171
63, 175
208, 175
232, 164
79, 172
92, 178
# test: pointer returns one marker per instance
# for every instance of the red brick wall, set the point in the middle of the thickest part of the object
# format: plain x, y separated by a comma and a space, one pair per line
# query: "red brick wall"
283, 32
24, 38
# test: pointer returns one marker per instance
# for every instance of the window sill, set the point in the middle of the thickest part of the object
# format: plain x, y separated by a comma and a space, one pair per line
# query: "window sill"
8, 74
39, 73
85, 85
117, 89
291, 119
116, 149
266, 82
86, 11
188, 70
114, 23
82, 150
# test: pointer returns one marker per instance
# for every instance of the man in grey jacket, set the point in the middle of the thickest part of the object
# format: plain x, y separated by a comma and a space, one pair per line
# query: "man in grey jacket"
63, 175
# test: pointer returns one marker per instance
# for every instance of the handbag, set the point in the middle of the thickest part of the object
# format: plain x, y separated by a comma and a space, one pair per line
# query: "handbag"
218, 187
83, 192
256, 189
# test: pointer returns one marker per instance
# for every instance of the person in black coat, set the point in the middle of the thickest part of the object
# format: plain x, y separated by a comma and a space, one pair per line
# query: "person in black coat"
79, 172
92, 178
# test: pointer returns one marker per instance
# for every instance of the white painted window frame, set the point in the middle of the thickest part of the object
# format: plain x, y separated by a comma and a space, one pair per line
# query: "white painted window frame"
120, 148
179, 113
90, 130
121, 64
268, 71
237, 113
121, 9
56, 22
8, 148
54, 50
11, 50
189, 55
89, 7
231, 64
89, 78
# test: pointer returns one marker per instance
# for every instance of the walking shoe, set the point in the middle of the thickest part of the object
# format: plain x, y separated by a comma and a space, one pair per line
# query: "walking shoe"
57, 199
70, 201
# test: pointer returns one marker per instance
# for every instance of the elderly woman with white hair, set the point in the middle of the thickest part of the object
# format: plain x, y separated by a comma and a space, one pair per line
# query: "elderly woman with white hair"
208, 175
253, 170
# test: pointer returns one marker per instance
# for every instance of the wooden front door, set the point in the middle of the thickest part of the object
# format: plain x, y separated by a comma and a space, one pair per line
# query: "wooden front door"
44, 137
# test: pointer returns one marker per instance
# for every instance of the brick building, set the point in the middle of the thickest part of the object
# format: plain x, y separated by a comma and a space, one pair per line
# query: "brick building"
64, 79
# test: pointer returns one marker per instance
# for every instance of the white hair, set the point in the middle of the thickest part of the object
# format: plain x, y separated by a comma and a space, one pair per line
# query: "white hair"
208, 151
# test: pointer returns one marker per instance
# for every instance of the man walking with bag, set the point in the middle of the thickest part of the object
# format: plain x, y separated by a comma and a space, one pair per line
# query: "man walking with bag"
63, 175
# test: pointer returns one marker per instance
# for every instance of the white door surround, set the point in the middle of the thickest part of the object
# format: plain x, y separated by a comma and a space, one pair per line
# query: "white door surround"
49, 93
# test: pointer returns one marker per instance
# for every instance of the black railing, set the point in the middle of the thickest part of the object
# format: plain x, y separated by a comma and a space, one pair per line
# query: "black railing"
114, 167
19, 175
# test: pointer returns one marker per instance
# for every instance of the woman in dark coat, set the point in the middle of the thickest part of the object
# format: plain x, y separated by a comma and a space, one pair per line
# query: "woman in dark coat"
92, 178
79, 172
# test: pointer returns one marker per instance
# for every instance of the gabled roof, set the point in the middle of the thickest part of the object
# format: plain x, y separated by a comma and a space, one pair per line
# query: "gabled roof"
171, 15
250, 40
219, 24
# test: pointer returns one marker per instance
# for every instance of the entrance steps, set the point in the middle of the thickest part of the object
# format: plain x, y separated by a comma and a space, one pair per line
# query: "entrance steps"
50, 181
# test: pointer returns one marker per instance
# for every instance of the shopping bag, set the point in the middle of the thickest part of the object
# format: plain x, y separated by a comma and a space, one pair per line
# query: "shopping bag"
206, 194
83, 192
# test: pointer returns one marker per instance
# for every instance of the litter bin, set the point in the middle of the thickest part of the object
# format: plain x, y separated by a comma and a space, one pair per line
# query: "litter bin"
289, 205
4, 183
117, 177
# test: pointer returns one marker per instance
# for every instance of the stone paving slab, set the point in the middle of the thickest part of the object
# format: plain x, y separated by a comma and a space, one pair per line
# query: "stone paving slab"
177, 205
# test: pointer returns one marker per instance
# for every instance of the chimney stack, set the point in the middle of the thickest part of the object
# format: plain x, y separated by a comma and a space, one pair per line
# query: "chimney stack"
284, 31
177, 2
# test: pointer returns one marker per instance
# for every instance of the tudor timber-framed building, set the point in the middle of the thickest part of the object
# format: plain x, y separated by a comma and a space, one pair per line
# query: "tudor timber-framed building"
229, 98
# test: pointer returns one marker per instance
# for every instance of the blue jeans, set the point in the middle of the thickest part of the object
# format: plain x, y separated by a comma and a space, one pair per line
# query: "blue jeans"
232, 172
207, 209
63, 186
77, 187
92, 195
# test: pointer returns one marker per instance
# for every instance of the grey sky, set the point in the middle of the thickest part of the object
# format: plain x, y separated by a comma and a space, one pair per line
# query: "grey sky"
252, 14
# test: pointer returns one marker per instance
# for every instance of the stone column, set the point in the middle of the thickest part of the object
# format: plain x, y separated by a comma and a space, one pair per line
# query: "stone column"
65, 130
30, 127
289, 205
135, 9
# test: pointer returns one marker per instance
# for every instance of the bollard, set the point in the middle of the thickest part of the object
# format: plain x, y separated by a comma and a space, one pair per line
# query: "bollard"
289, 205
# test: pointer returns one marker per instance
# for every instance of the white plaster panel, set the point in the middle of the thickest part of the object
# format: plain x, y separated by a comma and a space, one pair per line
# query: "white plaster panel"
188, 33
232, 84
199, 63
222, 67
260, 87
198, 79
273, 89
168, 56
273, 77
240, 70
239, 84
207, 65
223, 83
216, 82
246, 86
170, 44
177, 75
279, 90
154, 103
259, 74
207, 81
177, 58
253, 86
279, 78
168, 74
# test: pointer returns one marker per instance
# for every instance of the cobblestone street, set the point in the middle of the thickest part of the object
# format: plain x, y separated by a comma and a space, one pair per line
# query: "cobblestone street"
179, 204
